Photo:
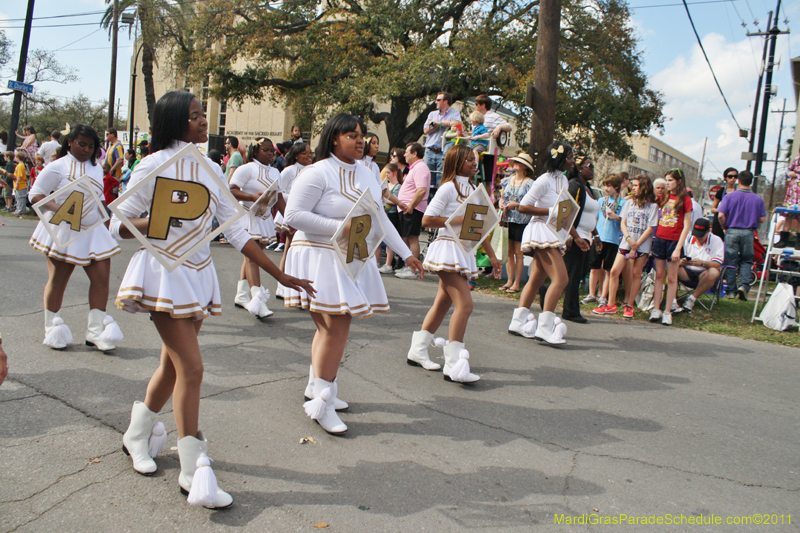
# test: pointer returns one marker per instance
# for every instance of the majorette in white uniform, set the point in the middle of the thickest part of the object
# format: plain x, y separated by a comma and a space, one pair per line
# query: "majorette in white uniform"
192, 289
287, 180
321, 197
254, 178
95, 245
543, 193
443, 253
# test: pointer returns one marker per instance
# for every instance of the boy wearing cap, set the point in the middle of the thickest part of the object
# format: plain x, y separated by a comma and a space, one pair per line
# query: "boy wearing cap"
704, 252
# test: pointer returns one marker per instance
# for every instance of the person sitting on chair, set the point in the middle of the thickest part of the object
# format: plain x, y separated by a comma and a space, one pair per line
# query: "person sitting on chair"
701, 266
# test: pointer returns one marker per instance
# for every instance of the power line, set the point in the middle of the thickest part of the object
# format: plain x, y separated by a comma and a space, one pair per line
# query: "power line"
678, 5
75, 41
709, 65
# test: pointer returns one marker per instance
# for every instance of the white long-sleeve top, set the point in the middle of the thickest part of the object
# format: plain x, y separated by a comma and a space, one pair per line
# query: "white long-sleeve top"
373, 166
287, 178
446, 201
61, 173
325, 193
254, 178
181, 239
544, 192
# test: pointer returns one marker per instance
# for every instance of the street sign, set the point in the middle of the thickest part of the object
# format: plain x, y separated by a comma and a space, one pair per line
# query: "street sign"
19, 86
713, 191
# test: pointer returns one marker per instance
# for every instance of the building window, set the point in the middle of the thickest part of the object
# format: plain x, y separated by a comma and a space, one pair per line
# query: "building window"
223, 110
653, 154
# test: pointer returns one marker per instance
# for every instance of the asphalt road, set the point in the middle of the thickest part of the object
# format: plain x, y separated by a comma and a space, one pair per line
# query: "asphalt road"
632, 420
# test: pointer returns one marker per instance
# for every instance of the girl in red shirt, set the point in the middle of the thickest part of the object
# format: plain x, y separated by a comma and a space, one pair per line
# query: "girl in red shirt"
673, 227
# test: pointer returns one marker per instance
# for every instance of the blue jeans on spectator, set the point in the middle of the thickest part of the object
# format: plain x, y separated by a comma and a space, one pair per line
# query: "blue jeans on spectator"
739, 253
22, 201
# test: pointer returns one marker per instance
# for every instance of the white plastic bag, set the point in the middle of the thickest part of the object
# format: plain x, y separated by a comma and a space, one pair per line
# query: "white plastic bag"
780, 313
500, 244
645, 297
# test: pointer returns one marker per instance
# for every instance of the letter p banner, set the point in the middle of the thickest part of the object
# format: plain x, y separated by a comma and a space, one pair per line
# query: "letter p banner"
564, 210
359, 230
192, 201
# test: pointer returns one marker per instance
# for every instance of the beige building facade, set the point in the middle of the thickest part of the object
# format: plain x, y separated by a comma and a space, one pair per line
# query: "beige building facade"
654, 158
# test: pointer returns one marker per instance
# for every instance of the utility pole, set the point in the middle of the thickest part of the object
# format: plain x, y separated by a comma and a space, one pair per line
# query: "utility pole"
543, 117
758, 93
23, 63
702, 160
783, 113
762, 133
113, 86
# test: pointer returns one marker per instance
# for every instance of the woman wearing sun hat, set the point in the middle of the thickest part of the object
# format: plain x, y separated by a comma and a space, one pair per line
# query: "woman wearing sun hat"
515, 188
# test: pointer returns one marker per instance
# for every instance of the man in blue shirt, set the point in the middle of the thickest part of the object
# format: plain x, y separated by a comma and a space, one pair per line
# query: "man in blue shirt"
436, 124
740, 213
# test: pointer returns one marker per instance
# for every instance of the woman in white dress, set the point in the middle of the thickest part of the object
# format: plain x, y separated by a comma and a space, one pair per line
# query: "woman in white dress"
542, 240
298, 158
247, 184
453, 268
93, 250
178, 301
321, 198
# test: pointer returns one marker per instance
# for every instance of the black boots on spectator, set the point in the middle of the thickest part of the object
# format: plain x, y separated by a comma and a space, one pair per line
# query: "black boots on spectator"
785, 240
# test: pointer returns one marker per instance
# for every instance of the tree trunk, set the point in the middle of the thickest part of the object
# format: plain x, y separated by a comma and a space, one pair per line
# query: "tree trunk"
543, 118
149, 86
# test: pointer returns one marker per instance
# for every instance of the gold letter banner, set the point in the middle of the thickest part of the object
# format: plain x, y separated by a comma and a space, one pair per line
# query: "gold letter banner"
359, 236
474, 219
80, 211
177, 201
563, 214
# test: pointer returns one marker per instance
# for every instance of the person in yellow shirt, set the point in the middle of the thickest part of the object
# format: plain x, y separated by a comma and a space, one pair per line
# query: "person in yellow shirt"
21, 184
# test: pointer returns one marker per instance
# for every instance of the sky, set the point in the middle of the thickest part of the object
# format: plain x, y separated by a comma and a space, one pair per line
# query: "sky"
668, 49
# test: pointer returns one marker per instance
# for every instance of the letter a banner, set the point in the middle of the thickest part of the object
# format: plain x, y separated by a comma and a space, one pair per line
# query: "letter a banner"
358, 237
179, 211
474, 219
563, 214
76, 210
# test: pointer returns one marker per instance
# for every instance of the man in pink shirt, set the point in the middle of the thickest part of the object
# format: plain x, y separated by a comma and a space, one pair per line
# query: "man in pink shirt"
414, 193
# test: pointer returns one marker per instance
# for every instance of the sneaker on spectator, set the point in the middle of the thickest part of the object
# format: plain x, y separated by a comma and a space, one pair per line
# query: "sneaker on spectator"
405, 273
741, 292
280, 247
628, 313
689, 303
605, 310
666, 319
589, 299
385, 269
676, 308
602, 302
655, 315
273, 245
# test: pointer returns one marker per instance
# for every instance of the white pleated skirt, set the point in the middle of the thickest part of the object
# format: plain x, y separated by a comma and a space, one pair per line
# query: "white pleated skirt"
189, 291
538, 235
95, 245
279, 225
262, 231
444, 255
337, 294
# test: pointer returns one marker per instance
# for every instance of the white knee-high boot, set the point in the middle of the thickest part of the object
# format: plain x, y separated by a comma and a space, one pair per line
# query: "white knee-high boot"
456, 364
418, 353
521, 323
338, 404
197, 479
242, 294
258, 304
321, 407
551, 330
102, 331
144, 439
56, 333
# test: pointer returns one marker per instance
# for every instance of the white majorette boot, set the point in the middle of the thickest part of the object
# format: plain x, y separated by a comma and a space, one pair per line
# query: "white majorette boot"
242, 294
456, 364
418, 353
523, 323
197, 479
56, 334
258, 305
144, 439
339, 405
102, 331
279, 292
551, 329
321, 407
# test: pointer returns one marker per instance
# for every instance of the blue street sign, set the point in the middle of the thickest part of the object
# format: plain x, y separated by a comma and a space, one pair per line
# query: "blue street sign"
19, 86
